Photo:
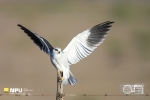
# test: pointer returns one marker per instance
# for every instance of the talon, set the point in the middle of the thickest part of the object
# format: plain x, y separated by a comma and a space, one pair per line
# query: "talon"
61, 79
60, 76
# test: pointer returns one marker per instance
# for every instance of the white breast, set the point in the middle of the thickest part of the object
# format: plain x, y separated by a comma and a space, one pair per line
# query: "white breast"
60, 61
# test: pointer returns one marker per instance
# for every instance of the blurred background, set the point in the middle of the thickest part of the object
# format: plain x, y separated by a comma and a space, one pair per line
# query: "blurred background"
123, 58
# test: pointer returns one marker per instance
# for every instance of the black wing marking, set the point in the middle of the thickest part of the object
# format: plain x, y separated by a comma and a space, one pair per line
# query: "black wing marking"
98, 33
39, 41
86, 42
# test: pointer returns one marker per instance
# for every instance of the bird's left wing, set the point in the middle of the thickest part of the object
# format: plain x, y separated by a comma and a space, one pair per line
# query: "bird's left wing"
84, 43
42, 43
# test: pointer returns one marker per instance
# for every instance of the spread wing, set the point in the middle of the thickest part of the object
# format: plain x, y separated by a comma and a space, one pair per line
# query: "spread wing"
42, 43
84, 43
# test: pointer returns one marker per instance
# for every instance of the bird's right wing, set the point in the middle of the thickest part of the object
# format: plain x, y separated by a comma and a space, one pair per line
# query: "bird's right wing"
84, 43
39, 41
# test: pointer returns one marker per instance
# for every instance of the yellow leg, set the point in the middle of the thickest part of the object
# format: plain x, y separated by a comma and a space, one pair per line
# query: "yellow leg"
59, 72
61, 78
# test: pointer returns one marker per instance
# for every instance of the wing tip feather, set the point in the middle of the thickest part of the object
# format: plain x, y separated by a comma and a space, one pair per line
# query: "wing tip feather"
19, 25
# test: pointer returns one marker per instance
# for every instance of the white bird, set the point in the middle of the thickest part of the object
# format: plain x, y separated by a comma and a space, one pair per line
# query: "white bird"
80, 47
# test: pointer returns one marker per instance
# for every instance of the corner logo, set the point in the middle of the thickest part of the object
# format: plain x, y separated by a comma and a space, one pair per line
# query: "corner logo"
135, 88
20, 91
6, 90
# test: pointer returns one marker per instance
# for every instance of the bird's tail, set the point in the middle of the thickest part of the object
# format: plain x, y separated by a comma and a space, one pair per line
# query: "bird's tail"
71, 80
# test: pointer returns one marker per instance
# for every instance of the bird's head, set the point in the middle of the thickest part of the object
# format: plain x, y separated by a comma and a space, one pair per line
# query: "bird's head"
57, 50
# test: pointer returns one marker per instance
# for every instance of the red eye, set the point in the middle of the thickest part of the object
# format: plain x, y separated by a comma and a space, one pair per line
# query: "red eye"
56, 50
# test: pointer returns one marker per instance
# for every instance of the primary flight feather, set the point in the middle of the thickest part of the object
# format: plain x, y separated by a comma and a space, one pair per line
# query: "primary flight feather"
80, 47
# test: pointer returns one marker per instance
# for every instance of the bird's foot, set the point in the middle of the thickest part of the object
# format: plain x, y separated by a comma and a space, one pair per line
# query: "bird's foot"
60, 76
59, 72
61, 79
